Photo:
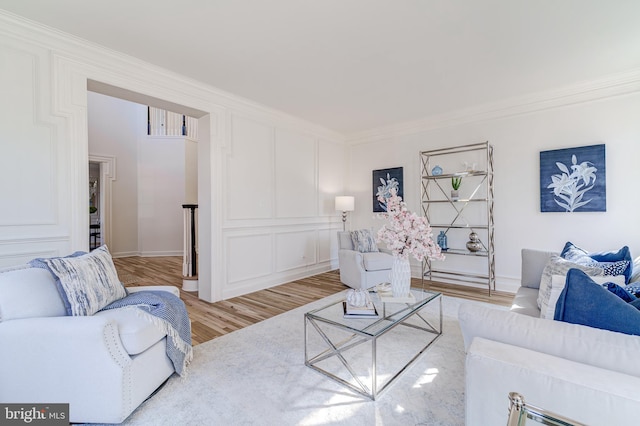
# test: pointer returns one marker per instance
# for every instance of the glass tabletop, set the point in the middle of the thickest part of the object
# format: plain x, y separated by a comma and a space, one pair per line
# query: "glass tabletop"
390, 313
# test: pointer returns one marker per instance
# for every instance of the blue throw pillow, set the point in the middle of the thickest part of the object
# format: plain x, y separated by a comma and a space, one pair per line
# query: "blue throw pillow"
582, 257
620, 292
577, 255
633, 288
635, 303
584, 302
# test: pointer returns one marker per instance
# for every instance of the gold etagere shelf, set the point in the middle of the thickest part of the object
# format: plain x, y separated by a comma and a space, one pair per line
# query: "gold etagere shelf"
478, 193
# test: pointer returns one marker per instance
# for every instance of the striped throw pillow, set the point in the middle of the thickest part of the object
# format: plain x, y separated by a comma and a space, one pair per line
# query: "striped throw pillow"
364, 241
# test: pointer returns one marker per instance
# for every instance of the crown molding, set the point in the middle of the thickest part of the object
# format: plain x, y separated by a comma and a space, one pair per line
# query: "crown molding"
84, 52
618, 84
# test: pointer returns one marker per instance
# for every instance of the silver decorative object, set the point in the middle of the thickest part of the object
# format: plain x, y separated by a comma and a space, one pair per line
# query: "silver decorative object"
474, 244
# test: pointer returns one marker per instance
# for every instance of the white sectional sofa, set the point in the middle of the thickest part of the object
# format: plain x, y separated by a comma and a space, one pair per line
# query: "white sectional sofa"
583, 373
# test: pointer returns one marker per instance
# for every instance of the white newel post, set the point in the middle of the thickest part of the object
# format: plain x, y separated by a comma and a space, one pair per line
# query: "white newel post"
190, 256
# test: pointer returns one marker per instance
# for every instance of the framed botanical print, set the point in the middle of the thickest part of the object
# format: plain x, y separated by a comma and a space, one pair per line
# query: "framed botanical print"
384, 181
573, 180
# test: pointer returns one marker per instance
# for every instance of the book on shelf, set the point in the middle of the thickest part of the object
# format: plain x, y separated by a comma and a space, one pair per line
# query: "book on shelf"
368, 311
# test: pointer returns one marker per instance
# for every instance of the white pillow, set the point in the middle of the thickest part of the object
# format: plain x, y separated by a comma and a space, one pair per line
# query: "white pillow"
90, 281
557, 285
559, 266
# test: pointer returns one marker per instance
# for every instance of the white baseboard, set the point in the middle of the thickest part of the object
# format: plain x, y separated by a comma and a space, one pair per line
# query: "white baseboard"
161, 253
125, 254
262, 283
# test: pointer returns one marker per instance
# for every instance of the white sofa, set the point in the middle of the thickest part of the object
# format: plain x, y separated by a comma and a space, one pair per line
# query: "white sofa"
362, 270
103, 365
583, 373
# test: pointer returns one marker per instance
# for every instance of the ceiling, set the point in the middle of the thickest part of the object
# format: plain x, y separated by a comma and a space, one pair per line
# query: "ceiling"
354, 65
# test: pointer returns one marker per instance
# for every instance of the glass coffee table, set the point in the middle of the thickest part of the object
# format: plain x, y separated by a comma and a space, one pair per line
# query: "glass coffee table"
367, 355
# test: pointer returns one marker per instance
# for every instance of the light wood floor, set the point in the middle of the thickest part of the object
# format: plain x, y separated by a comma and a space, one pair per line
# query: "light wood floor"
211, 320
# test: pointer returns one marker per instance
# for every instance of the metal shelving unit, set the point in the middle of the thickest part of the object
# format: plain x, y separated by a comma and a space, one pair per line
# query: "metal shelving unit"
473, 211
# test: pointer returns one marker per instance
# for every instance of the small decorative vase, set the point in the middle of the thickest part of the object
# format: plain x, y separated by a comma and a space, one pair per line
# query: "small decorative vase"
436, 171
400, 277
442, 241
454, 195
474, 243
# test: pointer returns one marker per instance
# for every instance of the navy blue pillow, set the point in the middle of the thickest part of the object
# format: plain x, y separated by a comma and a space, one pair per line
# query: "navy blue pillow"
620, 292
635, 303
573, 253
633, 288
586, 303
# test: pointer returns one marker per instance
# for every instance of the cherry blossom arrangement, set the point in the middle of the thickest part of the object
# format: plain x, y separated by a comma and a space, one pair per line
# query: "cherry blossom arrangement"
407, 233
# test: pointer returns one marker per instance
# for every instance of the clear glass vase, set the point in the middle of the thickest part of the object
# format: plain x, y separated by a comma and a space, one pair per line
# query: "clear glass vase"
400, 277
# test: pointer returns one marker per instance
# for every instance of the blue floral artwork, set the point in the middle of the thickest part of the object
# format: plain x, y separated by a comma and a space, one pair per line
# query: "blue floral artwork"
573, 180
383, 181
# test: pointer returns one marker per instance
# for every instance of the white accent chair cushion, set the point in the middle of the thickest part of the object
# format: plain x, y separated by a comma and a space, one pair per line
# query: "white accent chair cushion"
377, 261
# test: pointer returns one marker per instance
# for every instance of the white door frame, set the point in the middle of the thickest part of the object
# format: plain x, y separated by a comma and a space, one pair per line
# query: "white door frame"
107, 176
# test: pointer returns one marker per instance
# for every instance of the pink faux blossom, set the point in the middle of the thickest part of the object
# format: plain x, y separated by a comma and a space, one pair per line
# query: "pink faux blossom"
407, 233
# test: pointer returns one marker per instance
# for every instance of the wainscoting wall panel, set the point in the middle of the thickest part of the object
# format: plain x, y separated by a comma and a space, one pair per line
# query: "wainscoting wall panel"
295, 175
295, 249
32, 139
34, 175
327, 245
249, 170
248, 257
331, 176
275, 178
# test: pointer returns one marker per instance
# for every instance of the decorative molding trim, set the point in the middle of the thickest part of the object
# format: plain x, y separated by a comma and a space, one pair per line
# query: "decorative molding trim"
23, 257
96, 55
619, 84
35, 240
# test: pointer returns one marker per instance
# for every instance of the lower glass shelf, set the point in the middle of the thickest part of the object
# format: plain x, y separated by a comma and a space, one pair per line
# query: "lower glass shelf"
462, 252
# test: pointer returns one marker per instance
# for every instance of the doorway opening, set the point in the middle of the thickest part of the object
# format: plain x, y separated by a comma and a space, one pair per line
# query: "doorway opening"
95, 237
200, 173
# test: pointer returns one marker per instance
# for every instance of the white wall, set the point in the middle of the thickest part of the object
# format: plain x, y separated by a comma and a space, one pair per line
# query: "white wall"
266, 213
114, 130
191, 172
161, 193
517, 142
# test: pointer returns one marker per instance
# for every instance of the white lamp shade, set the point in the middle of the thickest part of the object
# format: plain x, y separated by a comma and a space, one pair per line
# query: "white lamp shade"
345, 203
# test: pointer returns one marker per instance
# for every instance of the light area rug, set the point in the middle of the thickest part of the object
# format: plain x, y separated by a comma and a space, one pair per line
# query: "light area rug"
257, 376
